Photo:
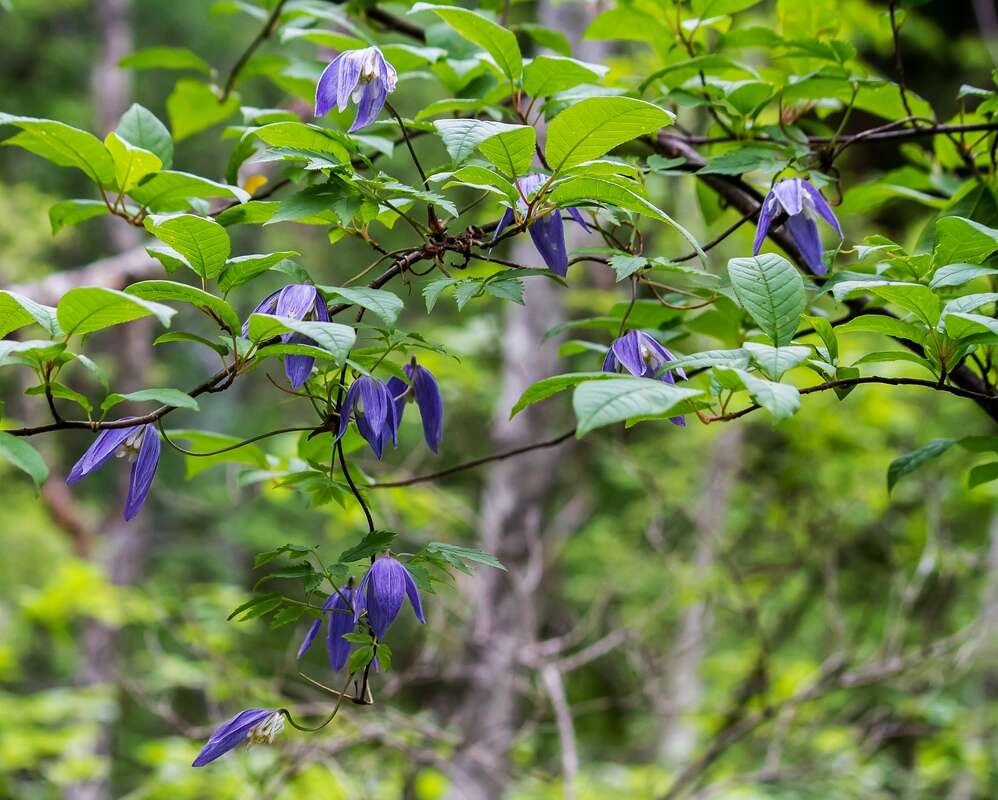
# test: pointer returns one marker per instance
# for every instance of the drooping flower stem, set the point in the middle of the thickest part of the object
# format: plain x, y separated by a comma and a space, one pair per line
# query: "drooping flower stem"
353, 486
339, 701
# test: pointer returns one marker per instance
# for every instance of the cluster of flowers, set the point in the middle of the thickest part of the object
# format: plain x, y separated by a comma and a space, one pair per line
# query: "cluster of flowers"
376, 602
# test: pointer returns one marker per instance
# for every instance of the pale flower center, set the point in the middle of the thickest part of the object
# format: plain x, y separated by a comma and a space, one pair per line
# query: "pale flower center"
266, 731
129, 448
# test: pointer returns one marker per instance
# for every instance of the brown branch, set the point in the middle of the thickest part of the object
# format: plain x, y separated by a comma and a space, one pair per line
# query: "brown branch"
265, 33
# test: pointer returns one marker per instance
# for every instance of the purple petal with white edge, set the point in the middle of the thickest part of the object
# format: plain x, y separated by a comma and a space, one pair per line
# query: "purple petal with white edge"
398, 389
627, 350
341, 622
321, 311
610, 362
575, 214
350, 68
413, 592
791, 193
822, 207
531, 183
327, 89
662, 355
770, 208
372, 100
313, 629
386, 72
804, 232
265, 306
143, 471
230, 734
431, 404
548, 234
296, 300
100, 452
298, 368
506, 219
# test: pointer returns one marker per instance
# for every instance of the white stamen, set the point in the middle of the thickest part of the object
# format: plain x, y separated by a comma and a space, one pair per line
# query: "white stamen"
266, 731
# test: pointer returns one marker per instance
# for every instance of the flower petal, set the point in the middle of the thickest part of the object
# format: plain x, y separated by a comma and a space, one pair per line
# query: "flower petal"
575, 214
374, 400
341, 622
627, 350
372, 100
313, 629
265, 306
413, 592
804, 232
100, 452
230, 734
398, 389
548, 234
296, 300
791, 194
770, 208
349, 402
431, 404
353, 61
143, 471
327, 89
822, 207
385, 593
505, 220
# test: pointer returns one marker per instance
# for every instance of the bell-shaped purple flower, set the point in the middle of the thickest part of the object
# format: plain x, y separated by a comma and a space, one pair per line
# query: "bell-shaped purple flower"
642, 356
297, 301
254, 725
140, 444
548, 232
382, 592
803, 205
422, 388
373, 408
363, 76
339, 608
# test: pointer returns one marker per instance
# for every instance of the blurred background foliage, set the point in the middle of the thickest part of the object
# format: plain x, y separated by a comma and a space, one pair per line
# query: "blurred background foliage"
814, 555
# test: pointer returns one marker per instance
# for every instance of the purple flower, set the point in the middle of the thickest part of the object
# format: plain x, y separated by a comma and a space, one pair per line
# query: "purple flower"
297, 301
363, 76
339, 606
803, 204
254, 725
382, 592
548, 232
641, 355
140, 444
424, 390
373, 408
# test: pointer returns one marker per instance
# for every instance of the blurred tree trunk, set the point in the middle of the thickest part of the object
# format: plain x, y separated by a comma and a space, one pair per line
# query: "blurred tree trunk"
680, 690
121, 546
514, 505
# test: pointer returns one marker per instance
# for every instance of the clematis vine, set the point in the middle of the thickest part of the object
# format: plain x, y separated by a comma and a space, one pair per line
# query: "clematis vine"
339, 608
139, 444
642, 356
252, 726
547, 232
382, 592
373, 408
422, 388
297, 301
803, 205
363, 76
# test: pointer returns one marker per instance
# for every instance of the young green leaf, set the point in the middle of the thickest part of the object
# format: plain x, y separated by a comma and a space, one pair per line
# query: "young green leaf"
772, 291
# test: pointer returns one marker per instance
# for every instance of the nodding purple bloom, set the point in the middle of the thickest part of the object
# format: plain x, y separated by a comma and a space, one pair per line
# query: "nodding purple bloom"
803, 205
373, 408
363, 76
138, 443
382, 592
424, 390
297, 301
641, 355
339, 607
254, 725
548, 232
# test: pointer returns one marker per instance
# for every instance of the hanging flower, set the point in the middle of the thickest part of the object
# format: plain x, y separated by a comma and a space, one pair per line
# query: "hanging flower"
548, 232
642, 356
803, 205
373, 408
297, 301
422, 388
382, 592
140, 444
363, 76
339, 608
254, 726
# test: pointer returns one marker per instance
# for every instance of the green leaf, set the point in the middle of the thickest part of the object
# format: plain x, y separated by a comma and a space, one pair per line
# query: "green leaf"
165, 58
604, 402
63, 145
131, 163
457, 555
592, 127
780, 399
509, 147
16, 311
166, 397
958, 275
547, 387
625, 265
72, 212
242, 269
877, 323
173, 191
478, 178
914, 297
330, 336
772, 291
140, 127
494, 39
548, 75
826, 332
257, 607
908, 463
23, 456
963, 240
960, 324
360, 658
372, 544
184, 336
194, 107
774, 361
170, 290
386, 305
745, 159
202, 242
88, 309
982, 473
433, 290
